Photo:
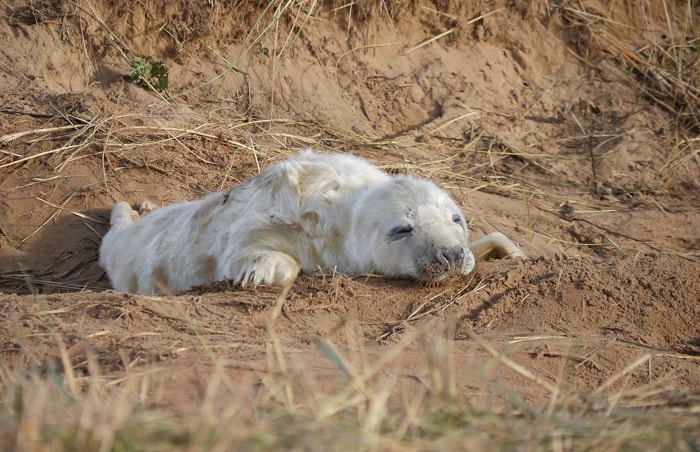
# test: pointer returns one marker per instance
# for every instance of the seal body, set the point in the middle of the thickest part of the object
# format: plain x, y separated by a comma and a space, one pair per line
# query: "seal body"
310, 211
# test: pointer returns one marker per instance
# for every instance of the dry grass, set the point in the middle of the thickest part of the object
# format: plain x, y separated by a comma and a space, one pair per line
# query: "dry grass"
667, 66
59, 409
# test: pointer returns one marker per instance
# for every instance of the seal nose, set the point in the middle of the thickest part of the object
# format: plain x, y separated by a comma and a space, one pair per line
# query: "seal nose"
451, 256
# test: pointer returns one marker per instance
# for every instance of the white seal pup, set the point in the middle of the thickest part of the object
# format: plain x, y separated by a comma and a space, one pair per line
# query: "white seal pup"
314, 210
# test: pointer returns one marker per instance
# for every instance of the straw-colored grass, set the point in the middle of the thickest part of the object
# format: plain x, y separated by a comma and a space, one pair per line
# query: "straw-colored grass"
667, 67
59, 409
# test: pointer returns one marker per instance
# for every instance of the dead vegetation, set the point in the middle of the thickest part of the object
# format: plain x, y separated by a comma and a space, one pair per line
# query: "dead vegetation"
72, 389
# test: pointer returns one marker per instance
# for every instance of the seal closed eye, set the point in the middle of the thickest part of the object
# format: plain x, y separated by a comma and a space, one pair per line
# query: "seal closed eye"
400, 232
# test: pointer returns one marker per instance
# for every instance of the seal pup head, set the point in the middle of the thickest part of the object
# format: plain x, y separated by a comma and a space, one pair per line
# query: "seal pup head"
411, 228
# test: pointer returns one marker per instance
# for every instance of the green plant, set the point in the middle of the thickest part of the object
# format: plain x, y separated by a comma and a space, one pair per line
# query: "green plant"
149, 73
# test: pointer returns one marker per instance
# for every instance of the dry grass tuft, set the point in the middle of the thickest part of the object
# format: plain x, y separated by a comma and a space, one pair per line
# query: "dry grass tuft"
666, 67
285, 405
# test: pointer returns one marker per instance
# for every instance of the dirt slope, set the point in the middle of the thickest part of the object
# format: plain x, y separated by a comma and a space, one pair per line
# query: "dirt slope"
545, 120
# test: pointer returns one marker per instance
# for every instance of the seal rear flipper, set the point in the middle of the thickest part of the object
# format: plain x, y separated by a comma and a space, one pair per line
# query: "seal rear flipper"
122, 215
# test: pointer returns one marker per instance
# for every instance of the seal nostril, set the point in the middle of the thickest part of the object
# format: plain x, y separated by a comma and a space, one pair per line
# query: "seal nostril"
451, 256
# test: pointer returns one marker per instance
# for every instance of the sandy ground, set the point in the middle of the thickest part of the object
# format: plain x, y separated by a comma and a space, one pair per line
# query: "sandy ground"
527, 114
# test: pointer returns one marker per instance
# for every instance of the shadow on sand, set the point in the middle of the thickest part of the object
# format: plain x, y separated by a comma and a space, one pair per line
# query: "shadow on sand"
61, 257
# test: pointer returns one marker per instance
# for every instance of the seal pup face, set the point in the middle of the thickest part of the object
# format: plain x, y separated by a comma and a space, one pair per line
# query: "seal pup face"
414, 230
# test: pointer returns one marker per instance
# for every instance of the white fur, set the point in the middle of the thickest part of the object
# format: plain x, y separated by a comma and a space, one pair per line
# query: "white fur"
313, 210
